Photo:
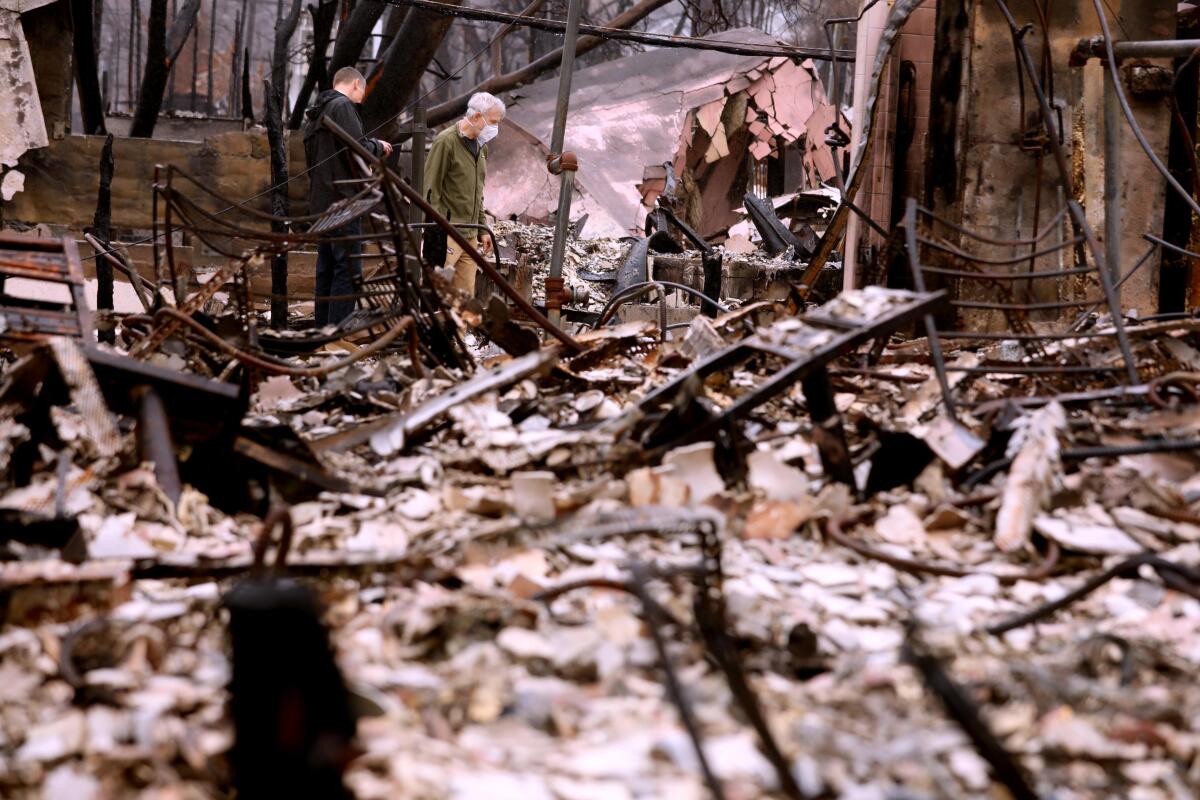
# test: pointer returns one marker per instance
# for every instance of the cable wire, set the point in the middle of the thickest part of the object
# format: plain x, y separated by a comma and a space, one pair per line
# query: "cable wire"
622, 34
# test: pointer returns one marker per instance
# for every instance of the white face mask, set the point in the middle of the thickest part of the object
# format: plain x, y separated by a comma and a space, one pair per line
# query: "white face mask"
488, 133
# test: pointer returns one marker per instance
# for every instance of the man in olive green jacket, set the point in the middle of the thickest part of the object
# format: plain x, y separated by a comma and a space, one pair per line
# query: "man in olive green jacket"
454, 176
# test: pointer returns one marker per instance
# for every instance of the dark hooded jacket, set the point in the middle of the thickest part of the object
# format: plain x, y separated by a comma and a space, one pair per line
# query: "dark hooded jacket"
321, 150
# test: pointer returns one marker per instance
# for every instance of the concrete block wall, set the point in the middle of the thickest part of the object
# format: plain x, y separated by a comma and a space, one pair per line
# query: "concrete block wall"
62, 180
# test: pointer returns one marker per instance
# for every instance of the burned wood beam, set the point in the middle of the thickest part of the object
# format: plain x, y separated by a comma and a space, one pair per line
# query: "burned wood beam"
212, 41
273, 109
949, 44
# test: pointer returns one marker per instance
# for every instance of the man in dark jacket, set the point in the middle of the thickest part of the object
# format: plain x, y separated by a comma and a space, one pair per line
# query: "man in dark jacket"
338, 264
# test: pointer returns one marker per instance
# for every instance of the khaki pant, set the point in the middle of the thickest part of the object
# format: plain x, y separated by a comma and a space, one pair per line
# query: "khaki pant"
464, 268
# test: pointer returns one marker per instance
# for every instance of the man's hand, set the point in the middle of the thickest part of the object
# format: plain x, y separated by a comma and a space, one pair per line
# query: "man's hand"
486, 246
387, 147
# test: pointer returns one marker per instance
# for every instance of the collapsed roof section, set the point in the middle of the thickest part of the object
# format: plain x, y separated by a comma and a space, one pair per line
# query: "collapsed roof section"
653, 124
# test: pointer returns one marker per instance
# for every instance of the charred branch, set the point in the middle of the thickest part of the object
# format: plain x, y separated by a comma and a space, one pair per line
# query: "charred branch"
354, 33
404, 63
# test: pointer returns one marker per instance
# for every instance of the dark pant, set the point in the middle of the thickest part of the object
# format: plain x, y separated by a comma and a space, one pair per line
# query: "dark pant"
338, 274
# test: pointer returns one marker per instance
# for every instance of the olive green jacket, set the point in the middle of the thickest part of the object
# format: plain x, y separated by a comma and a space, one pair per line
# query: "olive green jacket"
454, 177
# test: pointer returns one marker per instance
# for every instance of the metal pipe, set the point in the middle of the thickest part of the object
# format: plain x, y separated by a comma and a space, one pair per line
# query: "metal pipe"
1158, 48
935, 345
1112, 177
1129, 116
567, 183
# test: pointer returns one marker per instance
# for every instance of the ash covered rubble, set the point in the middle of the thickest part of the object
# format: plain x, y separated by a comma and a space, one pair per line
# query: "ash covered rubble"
763, 257
775, 514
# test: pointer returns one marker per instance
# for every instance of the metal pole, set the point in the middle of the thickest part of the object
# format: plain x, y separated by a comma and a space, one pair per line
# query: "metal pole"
1156, 48
417, 142
418, 159
1112, 177
556, 148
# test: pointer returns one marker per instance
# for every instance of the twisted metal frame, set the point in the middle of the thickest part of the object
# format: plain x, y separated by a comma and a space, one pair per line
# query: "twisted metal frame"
247, 237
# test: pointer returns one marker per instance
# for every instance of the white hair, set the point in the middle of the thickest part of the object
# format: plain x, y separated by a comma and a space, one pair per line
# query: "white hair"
482, 102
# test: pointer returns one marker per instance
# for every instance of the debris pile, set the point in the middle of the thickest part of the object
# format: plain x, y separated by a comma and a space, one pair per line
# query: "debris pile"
758, 559
782, 550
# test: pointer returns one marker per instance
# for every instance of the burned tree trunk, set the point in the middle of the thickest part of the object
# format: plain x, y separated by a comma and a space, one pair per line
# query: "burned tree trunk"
318, 74
403, 65
284, 28
280, 207
391, 27
161, 51
354, 34
154, 78
235, 66
273, 91
247, 98
102, 230
444, 112
91, 104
